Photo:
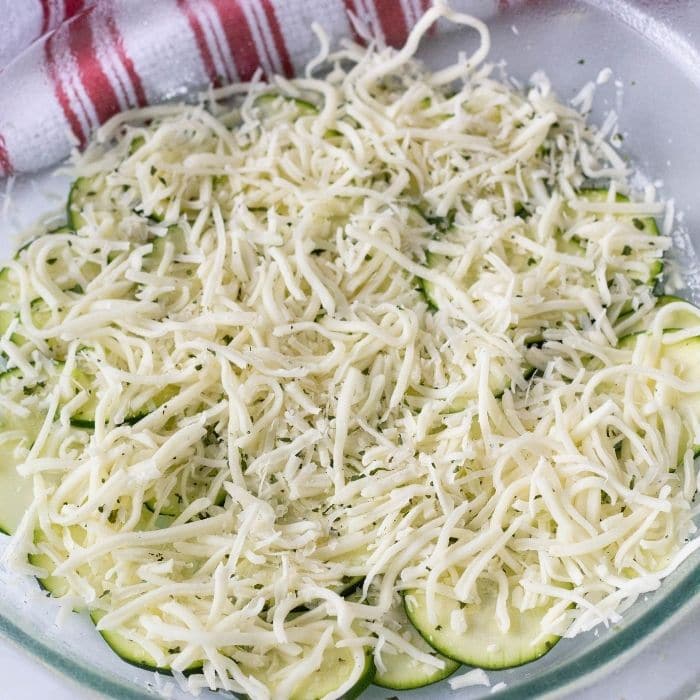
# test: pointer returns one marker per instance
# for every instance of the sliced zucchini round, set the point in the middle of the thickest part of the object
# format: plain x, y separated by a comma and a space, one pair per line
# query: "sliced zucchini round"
132, 652
645, 224
16, 492
686, 316
84, 417
127, 649
55, 586
481, 644
9, 286
18, 434
176, 237
684, 354
337, 666
402, 671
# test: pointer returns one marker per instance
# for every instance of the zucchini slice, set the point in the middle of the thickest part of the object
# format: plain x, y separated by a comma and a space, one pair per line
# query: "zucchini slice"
402, 671
132, 652
482, 643
85, 193
9, 286
84, 417
336, 667
16, 492
55, 586
646, 224
63, 228
684, 355
81, 192
269, 103
176, 237
348, 585
127, 649
428, 288
194, 486
686, 316
17, 433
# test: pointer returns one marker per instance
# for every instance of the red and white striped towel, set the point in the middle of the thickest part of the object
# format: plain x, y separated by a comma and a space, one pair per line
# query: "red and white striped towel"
69, 65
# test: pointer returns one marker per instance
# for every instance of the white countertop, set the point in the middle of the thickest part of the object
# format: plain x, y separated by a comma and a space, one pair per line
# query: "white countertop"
666, 670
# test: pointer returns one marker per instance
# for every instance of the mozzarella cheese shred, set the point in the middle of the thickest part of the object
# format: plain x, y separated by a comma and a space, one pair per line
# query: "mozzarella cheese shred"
358, 327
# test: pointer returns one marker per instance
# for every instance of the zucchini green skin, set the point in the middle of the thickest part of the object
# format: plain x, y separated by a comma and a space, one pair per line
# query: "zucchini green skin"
426, 287
63, 228
345, 588
349, 586
85, 419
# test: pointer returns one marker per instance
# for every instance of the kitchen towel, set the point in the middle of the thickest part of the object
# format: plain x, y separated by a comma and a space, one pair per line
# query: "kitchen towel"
66, 66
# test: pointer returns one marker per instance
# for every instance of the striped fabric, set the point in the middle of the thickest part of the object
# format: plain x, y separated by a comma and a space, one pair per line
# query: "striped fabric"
66, 66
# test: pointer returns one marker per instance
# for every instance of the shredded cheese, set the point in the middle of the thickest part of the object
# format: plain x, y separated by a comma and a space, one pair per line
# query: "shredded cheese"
246, 308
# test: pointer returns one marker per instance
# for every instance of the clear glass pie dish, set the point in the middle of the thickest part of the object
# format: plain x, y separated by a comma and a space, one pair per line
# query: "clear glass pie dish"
655, 88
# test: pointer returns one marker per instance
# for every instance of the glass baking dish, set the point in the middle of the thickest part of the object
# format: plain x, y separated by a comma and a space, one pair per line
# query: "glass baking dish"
653, 50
